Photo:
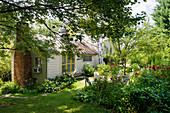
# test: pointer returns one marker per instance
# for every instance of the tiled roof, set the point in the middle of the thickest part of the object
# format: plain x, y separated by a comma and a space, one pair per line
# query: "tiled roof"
86, 48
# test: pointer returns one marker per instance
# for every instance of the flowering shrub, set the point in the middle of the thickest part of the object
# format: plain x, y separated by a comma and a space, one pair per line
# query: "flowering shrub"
148, 91
147, 98
152, 72
104, 92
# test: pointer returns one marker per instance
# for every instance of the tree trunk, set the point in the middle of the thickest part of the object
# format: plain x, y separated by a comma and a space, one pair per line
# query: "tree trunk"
124, 66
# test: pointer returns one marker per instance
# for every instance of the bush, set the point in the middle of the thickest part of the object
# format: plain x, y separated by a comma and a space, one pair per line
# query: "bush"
150, 97
1, 82
88, 70
106, 93
65, 78
48, 86
147, 92
13, 87
151, 73
103, 69
60, 82
108, 70
10, 87
84, 96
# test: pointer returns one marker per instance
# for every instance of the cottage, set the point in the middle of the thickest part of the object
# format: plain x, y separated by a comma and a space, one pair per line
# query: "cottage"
29, 65
50, 68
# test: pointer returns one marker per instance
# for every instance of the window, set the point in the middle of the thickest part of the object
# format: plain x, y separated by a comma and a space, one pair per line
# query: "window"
37, 62
68, 64
37, 65
87, 58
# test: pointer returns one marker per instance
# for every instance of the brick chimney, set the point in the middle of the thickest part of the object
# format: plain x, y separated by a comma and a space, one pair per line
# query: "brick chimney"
22, 60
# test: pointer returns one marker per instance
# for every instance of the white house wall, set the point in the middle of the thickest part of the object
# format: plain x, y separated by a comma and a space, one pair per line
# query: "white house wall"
79, 63
54, 66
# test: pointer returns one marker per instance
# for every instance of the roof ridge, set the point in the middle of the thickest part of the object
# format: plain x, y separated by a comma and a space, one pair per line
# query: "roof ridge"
90, 48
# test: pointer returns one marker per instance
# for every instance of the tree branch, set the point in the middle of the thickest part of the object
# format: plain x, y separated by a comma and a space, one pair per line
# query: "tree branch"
33, 7
17, 9
10, 3
7, 26
7, 48
39, 18
49, 28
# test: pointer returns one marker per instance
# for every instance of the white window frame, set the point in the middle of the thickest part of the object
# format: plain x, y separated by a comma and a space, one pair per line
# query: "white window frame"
87, 58
38, 62
37, 65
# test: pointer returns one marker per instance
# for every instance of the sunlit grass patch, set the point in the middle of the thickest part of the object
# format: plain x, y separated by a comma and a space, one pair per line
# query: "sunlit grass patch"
56, 102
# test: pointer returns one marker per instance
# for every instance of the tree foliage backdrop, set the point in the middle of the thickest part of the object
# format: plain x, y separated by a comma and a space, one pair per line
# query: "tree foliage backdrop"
161, 15
161, 32
91, 15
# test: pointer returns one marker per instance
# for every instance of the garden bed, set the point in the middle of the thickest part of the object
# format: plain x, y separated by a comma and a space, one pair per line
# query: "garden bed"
147, 91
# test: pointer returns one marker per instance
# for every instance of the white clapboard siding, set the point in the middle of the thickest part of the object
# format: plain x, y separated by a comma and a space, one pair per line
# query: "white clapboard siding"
79, 63
54, 67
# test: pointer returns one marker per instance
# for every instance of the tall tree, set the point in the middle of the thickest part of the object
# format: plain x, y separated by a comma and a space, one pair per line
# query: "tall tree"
161, 32
133, 41
161, 14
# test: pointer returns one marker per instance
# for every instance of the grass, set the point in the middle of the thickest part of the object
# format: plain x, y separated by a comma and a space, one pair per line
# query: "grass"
56, 102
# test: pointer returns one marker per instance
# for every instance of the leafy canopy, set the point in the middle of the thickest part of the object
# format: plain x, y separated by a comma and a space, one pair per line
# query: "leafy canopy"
161, 14
97, 18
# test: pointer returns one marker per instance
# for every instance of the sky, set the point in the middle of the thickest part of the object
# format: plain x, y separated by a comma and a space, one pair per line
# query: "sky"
148, 7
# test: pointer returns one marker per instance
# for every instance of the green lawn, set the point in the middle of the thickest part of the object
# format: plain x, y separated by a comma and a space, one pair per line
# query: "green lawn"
57, 102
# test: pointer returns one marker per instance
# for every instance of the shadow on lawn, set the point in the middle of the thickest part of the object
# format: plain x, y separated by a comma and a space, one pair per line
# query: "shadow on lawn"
57, 102
69, 105
61, 102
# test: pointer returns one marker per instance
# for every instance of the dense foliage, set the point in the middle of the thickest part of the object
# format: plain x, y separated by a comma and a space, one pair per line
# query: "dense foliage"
103, 15
150, 87
9, 87
103, 69
161, 15
5, 68
49, 85
88, 70
146, 92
